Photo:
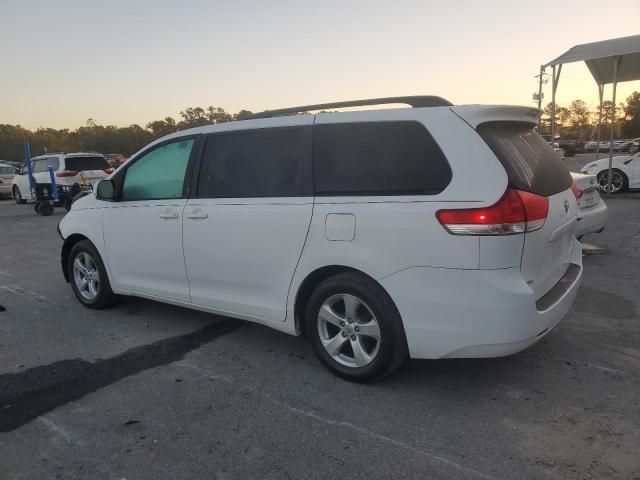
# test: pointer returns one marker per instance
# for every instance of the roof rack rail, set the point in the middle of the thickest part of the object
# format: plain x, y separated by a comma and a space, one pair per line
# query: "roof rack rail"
415, 101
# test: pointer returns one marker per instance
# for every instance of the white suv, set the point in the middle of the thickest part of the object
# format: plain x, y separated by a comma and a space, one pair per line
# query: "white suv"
70, 169
436, 231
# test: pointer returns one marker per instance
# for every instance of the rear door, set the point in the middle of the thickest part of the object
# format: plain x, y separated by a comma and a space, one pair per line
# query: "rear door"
245, 229
532, 166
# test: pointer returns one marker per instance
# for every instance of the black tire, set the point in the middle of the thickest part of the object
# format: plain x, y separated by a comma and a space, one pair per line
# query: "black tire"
45, 209
17, 196
36, 207
105, 296
603, 176
392, 345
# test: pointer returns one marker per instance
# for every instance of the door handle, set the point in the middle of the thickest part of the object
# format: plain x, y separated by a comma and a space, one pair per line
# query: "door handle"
198, 215
168, 215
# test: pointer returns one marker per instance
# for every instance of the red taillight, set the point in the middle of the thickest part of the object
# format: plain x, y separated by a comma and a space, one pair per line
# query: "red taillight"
515, 212
66, 173
577, 191
108, 170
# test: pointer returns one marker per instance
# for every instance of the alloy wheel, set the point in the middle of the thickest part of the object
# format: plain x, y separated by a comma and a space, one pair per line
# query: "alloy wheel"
86, 276
617, 182
349, 331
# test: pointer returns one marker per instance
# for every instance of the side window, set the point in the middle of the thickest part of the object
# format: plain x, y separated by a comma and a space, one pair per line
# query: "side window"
158, 174
40, 165
53, 162
274, 162
377, 158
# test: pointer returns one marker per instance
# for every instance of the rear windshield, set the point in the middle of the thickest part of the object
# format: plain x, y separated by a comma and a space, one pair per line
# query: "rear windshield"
530, 162
7, 170
80, 164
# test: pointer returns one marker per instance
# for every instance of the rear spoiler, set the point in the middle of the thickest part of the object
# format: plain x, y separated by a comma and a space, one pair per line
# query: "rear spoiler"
475, 115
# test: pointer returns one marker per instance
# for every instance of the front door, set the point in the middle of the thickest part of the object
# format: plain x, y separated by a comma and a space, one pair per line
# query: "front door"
245, 228
143, 230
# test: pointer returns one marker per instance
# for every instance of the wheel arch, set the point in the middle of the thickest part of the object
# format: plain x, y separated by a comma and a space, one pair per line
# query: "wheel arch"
68, 244
315, 278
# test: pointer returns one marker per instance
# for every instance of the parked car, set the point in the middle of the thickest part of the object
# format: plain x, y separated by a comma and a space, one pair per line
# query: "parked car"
116, 159
556, 146
375, 233
629, 146
592, 211
591, 147
70, 169
571, 147
17, 165
7, 172
625, 172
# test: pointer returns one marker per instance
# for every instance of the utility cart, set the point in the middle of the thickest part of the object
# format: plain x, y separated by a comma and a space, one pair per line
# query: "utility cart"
49, 194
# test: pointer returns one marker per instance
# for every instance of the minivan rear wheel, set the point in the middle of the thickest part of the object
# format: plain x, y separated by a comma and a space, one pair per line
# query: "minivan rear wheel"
88, 276
355, 328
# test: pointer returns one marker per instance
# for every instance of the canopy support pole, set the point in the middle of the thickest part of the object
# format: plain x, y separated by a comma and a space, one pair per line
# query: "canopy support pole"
540, 99
600, 94
616, 62
554, 86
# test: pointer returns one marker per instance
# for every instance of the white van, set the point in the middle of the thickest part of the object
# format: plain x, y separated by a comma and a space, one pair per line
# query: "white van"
435, 231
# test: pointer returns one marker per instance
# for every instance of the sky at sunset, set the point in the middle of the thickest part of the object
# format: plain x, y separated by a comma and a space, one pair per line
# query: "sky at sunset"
123, 62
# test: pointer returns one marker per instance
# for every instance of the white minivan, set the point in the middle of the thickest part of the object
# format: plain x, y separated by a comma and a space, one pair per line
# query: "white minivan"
435, 231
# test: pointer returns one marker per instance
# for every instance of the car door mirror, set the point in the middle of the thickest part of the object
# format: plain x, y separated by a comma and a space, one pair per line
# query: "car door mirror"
106, 190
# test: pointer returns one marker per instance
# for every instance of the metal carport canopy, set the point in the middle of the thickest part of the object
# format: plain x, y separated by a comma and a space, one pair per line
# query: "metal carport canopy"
600, 57
610, 61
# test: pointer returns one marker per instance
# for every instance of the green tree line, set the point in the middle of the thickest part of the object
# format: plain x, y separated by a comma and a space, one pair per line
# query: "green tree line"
578, 121
105, 138
574, 121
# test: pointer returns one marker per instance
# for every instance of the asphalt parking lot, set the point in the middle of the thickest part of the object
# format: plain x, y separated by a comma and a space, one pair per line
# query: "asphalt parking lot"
146, 391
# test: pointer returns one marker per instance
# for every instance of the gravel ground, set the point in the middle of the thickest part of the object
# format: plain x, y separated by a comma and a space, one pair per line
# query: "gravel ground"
147, 391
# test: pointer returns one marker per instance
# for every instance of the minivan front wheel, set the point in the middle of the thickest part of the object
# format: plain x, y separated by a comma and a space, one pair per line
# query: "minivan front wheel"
354, 328
88, 276
17, 196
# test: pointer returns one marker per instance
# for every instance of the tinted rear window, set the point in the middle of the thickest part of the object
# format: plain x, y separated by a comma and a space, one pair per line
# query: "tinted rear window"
80, 164
530, 162
377, 158
7, 170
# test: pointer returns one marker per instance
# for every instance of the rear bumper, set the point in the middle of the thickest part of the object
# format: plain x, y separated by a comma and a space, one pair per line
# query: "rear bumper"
592, 220
451, 313
5, 189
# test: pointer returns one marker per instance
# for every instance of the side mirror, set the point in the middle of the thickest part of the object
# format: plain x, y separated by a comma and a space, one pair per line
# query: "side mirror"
106, 190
